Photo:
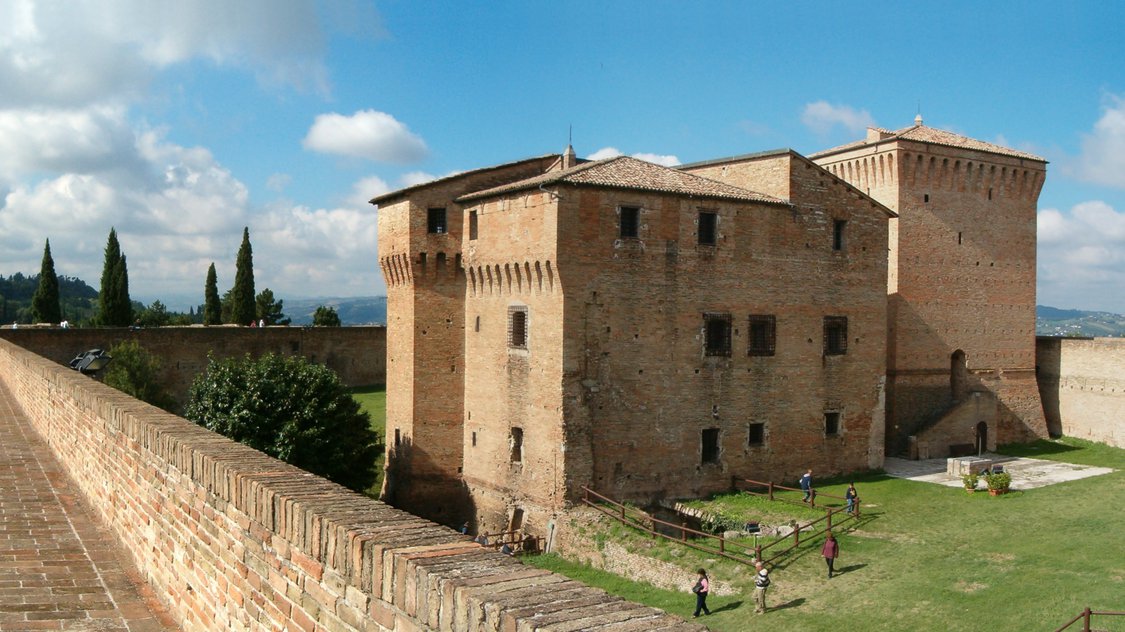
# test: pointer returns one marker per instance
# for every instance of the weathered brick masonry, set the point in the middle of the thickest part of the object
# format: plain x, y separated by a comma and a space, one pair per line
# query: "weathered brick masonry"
357, 354
231, 539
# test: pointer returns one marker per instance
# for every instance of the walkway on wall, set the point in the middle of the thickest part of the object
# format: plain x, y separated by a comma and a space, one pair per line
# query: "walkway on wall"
58, 571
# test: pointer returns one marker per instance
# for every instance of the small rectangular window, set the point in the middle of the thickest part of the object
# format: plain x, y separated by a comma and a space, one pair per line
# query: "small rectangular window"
763, 335
474, 439
831, 424
716, 334
516, 443
435, 221
756, 435
517, 327
472, 225
835, 335
476, 326
630, 222
708, 225
398, 438
838, 234
710, 448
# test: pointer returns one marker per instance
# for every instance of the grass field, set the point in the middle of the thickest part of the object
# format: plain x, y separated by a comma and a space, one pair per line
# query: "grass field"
373, 401
927, 557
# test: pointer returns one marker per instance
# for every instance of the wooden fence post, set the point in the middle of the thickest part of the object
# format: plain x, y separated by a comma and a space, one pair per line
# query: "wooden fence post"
1086, 620
829, 512
771, 490
683, 531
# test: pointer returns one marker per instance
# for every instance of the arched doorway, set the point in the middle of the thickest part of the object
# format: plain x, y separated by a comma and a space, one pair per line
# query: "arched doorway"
982, 438
958, 375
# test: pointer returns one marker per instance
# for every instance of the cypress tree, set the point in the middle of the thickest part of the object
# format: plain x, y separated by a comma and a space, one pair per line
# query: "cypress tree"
114, 308
45, 303
243, 309
212, 307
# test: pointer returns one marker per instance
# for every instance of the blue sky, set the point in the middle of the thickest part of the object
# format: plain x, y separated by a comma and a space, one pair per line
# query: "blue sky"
181, 122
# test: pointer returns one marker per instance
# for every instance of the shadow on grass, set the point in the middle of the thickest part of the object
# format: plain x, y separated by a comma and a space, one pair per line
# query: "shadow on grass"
734, 605
793, 603
1036, 448
849, 569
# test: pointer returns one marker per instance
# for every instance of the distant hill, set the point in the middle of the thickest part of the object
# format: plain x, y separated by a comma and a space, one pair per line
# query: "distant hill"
358, 310
1051, 321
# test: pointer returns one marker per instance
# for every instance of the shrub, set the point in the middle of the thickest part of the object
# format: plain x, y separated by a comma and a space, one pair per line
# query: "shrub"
1001, 481
135, 371
970, 480
291, 409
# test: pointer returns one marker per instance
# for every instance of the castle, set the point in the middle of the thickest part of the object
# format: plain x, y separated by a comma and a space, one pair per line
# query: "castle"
652, 332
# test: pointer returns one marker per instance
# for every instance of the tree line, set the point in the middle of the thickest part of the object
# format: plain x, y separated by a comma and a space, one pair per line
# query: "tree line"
68, 300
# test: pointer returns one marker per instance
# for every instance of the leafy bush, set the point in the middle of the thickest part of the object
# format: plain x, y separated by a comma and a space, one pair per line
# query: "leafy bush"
291, 409
1001, 481
135, 371
970, 480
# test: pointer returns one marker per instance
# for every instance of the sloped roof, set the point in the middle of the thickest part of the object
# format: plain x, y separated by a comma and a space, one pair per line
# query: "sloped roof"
933, 136
379, 199
624, 172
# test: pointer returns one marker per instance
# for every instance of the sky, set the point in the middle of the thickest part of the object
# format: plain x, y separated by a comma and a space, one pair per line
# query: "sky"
180, 122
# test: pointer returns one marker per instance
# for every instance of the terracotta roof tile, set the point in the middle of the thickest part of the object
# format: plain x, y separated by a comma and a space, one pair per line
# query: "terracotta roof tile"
933, 136
624, 172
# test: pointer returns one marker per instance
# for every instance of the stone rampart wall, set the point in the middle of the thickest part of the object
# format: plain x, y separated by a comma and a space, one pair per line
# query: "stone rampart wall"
357, 354
231, 539
1082, 383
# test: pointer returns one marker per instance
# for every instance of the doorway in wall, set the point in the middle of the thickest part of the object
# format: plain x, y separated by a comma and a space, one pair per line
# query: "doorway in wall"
982, 438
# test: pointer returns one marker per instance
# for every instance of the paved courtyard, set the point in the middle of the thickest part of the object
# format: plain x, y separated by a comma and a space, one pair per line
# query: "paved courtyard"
1026, 473
58, 570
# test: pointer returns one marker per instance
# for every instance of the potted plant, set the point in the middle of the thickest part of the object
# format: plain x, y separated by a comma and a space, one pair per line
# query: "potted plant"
970, 482
998, 483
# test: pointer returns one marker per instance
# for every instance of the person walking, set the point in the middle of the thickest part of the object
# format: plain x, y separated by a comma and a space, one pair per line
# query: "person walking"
806, 485
852, 497
701, 588
830, 551
761, 583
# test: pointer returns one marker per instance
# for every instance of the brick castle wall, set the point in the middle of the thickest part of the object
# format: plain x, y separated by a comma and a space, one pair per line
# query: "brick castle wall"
357, 354
232, 539
1082, 382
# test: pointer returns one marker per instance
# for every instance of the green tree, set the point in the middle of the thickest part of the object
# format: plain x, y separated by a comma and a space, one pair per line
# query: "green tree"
114, 307
242, 294
136, 372
155, 315
212, 307
326, 317
45, 303
269, 309
289, 408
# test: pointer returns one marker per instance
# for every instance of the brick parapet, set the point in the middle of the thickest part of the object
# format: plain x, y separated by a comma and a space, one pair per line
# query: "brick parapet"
233, 539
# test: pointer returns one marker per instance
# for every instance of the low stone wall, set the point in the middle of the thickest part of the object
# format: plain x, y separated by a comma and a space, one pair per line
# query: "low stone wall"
232, 539
1082, 383
357, 354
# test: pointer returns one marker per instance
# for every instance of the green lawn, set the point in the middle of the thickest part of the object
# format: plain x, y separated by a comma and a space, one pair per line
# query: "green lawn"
373, 401
927, 557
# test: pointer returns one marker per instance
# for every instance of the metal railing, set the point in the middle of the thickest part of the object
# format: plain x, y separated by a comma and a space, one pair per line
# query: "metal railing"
1086, 615
640, 520
516, 541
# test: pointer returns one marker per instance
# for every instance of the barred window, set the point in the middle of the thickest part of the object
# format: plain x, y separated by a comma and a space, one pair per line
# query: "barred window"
762, 334
716, 334
517, 327
835, 335
435, 221
630, 222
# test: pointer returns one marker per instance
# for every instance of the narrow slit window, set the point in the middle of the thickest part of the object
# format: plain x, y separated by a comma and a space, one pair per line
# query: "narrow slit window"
716, 334
838, 234
835, 335
516, 443
762, 334
630, 222
435, 221
708, 228
472, 225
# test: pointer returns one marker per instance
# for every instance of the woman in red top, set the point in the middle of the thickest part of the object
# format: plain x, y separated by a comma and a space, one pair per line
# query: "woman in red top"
830, 551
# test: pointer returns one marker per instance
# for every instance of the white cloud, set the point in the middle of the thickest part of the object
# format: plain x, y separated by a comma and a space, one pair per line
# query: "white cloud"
91, 140
416, 177
1082, 257
1103, 150
667, 160
82, 51
278, 182
366, 134
822, 116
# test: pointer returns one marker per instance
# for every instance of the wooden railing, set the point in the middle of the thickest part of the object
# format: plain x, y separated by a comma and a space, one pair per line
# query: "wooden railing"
640, 520
1086, 615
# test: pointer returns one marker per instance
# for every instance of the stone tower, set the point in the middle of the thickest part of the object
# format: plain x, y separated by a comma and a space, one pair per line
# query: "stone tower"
961, 285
